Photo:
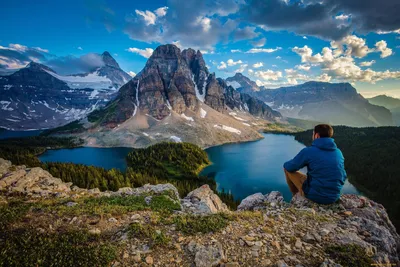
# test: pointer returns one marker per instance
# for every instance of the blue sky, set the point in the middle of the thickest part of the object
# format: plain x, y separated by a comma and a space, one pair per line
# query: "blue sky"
274, 42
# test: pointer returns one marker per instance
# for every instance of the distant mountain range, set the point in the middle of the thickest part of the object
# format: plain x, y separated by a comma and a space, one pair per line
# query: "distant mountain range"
335, 103
36, 97
175, 98
391, 103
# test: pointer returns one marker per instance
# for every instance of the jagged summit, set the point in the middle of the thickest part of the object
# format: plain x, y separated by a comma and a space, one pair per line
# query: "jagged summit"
109, 60
242, 83
175, 80
37, 67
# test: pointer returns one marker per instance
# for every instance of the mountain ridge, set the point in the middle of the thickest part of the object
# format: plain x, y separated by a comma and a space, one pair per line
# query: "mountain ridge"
36, 97
335, 103
174, 97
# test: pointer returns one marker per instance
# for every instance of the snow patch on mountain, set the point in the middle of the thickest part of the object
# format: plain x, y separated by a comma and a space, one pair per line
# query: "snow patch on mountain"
203, 113
200, 96
227, 128
186, 117
5, 105
234, 84
176, 139
91, 80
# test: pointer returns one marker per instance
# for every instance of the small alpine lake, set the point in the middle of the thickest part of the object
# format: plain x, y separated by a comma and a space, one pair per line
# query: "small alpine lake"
241, 169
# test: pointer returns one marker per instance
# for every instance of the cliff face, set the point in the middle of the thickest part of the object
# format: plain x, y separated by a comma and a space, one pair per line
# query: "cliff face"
178, 80
152, 225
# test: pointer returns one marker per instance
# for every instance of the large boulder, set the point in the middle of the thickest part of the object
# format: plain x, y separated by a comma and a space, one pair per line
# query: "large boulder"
31, 181
259, 201
203, 201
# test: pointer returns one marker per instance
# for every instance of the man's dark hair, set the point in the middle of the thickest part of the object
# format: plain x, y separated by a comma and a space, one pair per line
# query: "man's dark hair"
324, 130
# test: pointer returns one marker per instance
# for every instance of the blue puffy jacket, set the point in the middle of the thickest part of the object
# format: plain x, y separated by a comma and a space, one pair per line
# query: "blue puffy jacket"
325, 170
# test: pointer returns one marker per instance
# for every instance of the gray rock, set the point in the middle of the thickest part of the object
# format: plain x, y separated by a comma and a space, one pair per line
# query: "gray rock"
203, 201
208, 256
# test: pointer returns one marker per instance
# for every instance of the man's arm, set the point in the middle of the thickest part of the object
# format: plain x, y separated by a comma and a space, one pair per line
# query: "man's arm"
297, 162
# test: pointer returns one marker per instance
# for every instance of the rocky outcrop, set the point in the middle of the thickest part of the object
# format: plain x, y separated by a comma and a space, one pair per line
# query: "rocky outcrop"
357, 220
265, 231
203, 201
176, 80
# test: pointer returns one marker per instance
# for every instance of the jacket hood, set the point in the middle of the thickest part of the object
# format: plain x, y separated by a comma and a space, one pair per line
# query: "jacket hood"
325, 143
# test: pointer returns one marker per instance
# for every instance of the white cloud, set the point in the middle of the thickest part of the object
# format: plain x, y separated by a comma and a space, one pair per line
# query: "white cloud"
259, 43
263, 50
387, 32
231, 62
161, 12
79, 48
343, 67
242, 68
207, 52
305, 37
303, 67
343, 17
148, 16
236, 51
268, 75
258, 65
250, 71
367, 63
18, 47
204, 22
132, 74
178, 44
292, 76
278, 57
324, 78
355, 46
41, 49
147, 52
222, 66
381, 46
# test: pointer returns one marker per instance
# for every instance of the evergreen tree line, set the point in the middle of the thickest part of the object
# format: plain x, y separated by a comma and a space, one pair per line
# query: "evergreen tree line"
372, 161
175, 163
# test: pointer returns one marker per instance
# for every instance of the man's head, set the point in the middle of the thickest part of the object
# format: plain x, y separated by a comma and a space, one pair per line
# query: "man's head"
322, 131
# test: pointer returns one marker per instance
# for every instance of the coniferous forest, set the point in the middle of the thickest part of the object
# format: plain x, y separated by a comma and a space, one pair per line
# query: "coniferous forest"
372, 160
175, 163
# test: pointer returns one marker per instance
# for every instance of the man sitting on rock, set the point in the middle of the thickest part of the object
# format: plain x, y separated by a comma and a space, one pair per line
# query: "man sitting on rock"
325, 168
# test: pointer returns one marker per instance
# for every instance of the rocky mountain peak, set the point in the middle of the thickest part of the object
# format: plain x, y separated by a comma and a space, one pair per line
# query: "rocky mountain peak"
168, 51
242, 83
34, 66
109, 60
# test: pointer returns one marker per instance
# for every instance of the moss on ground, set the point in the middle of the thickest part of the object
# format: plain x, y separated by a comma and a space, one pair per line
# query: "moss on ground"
30, 247
192, 224
349, 255
142, 231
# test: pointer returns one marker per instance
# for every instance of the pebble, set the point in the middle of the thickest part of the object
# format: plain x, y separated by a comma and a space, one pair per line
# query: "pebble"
135, 217
137, 258
95, 231
298, 243
113, 220
71, 204
149, 260
324, 232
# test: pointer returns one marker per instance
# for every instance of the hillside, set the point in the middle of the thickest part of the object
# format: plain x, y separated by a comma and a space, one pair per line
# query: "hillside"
391, 103
175, 98
55, 223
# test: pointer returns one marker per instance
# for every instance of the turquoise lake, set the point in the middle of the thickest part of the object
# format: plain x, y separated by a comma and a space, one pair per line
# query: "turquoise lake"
242, 169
